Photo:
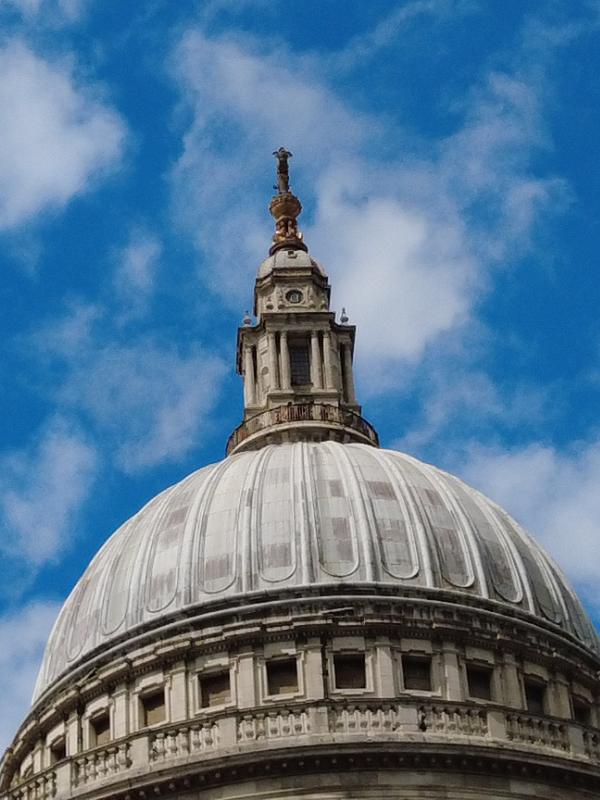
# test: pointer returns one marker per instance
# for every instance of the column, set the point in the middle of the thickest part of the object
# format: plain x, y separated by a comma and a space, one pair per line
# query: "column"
120, 711
249, 384
315, 361
348, 374
452, 676
273, 371
284, 353
178, 694
327, 360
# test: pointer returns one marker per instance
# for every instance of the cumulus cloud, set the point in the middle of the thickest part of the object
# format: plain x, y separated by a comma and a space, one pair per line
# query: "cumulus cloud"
23, 635
42, 490
58, 136
555, 495
405, 240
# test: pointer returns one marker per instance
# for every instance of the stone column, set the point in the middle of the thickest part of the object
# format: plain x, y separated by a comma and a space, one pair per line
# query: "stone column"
312, 663
348, 374
315, 361
512, 694
284, 354
249, 384
120, 711
328, 378
452, 676
72, 734
559, 699
246, 684
273, 371
178, 694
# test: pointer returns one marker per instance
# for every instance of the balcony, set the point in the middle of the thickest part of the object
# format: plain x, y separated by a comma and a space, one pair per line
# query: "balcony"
318, 421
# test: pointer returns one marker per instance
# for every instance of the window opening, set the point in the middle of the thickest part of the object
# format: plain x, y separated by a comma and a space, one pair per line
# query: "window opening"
100, 730
282, 676
534, 696
215, 689
416, 671
479, 680
349, 671
299, 362
581, 711
153, 708
58, 750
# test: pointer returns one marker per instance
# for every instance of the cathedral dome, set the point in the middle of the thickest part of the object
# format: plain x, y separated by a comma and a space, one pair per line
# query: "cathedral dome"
339, 519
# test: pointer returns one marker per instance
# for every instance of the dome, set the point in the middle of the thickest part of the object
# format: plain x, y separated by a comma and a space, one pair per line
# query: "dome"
341, 518
283, 259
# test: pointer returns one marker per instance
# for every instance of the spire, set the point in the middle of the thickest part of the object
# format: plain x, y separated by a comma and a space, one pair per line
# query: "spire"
285, 208
296, 360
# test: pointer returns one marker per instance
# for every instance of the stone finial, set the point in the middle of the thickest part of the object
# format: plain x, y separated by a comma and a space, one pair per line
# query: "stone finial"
344, 317
285, 208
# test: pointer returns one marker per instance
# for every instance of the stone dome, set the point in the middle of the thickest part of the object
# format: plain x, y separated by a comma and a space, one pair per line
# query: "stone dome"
285, 259
340, 518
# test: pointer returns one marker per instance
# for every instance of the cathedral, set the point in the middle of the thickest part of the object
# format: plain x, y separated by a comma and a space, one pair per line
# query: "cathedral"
313, 617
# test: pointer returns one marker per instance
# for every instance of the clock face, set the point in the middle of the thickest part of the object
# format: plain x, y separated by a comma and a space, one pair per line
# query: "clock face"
294, 296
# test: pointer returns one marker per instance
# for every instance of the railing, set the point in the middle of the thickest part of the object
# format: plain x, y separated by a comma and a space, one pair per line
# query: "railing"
302, 412
329, 722
450, 720
537, 730
368, 719
183, 740
272, 725
38, 787
591, 745
100, 763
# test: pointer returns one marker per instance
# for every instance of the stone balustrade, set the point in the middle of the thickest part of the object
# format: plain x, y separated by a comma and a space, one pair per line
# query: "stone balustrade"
38, 787
325, 722
101, 763
273, 724
453, 720
183, 740
538, 731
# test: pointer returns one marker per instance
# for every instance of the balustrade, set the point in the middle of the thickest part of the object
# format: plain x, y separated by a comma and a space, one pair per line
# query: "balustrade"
183, 740
451, 720
363, 719
101, 763
537, 730
39, 787
272, 725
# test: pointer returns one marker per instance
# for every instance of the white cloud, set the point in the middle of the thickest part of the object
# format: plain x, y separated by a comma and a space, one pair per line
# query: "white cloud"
23, 635
555, 495
152, 401
58, 136
135, 273
42, 489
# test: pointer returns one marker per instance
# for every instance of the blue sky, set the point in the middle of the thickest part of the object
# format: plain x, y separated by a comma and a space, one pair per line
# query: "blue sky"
447, 156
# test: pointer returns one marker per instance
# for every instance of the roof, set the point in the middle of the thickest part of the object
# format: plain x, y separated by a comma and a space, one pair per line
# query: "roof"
296, 515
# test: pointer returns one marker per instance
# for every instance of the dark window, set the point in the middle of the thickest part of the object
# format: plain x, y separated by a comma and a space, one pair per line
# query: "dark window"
58, 750
479, 680
282, 676
215, 690
100, 730
417, 673
349, 671
534, 696
581, 711
153, 708
299, 362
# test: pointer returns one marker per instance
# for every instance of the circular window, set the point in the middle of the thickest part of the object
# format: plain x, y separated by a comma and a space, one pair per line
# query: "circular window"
294, 296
